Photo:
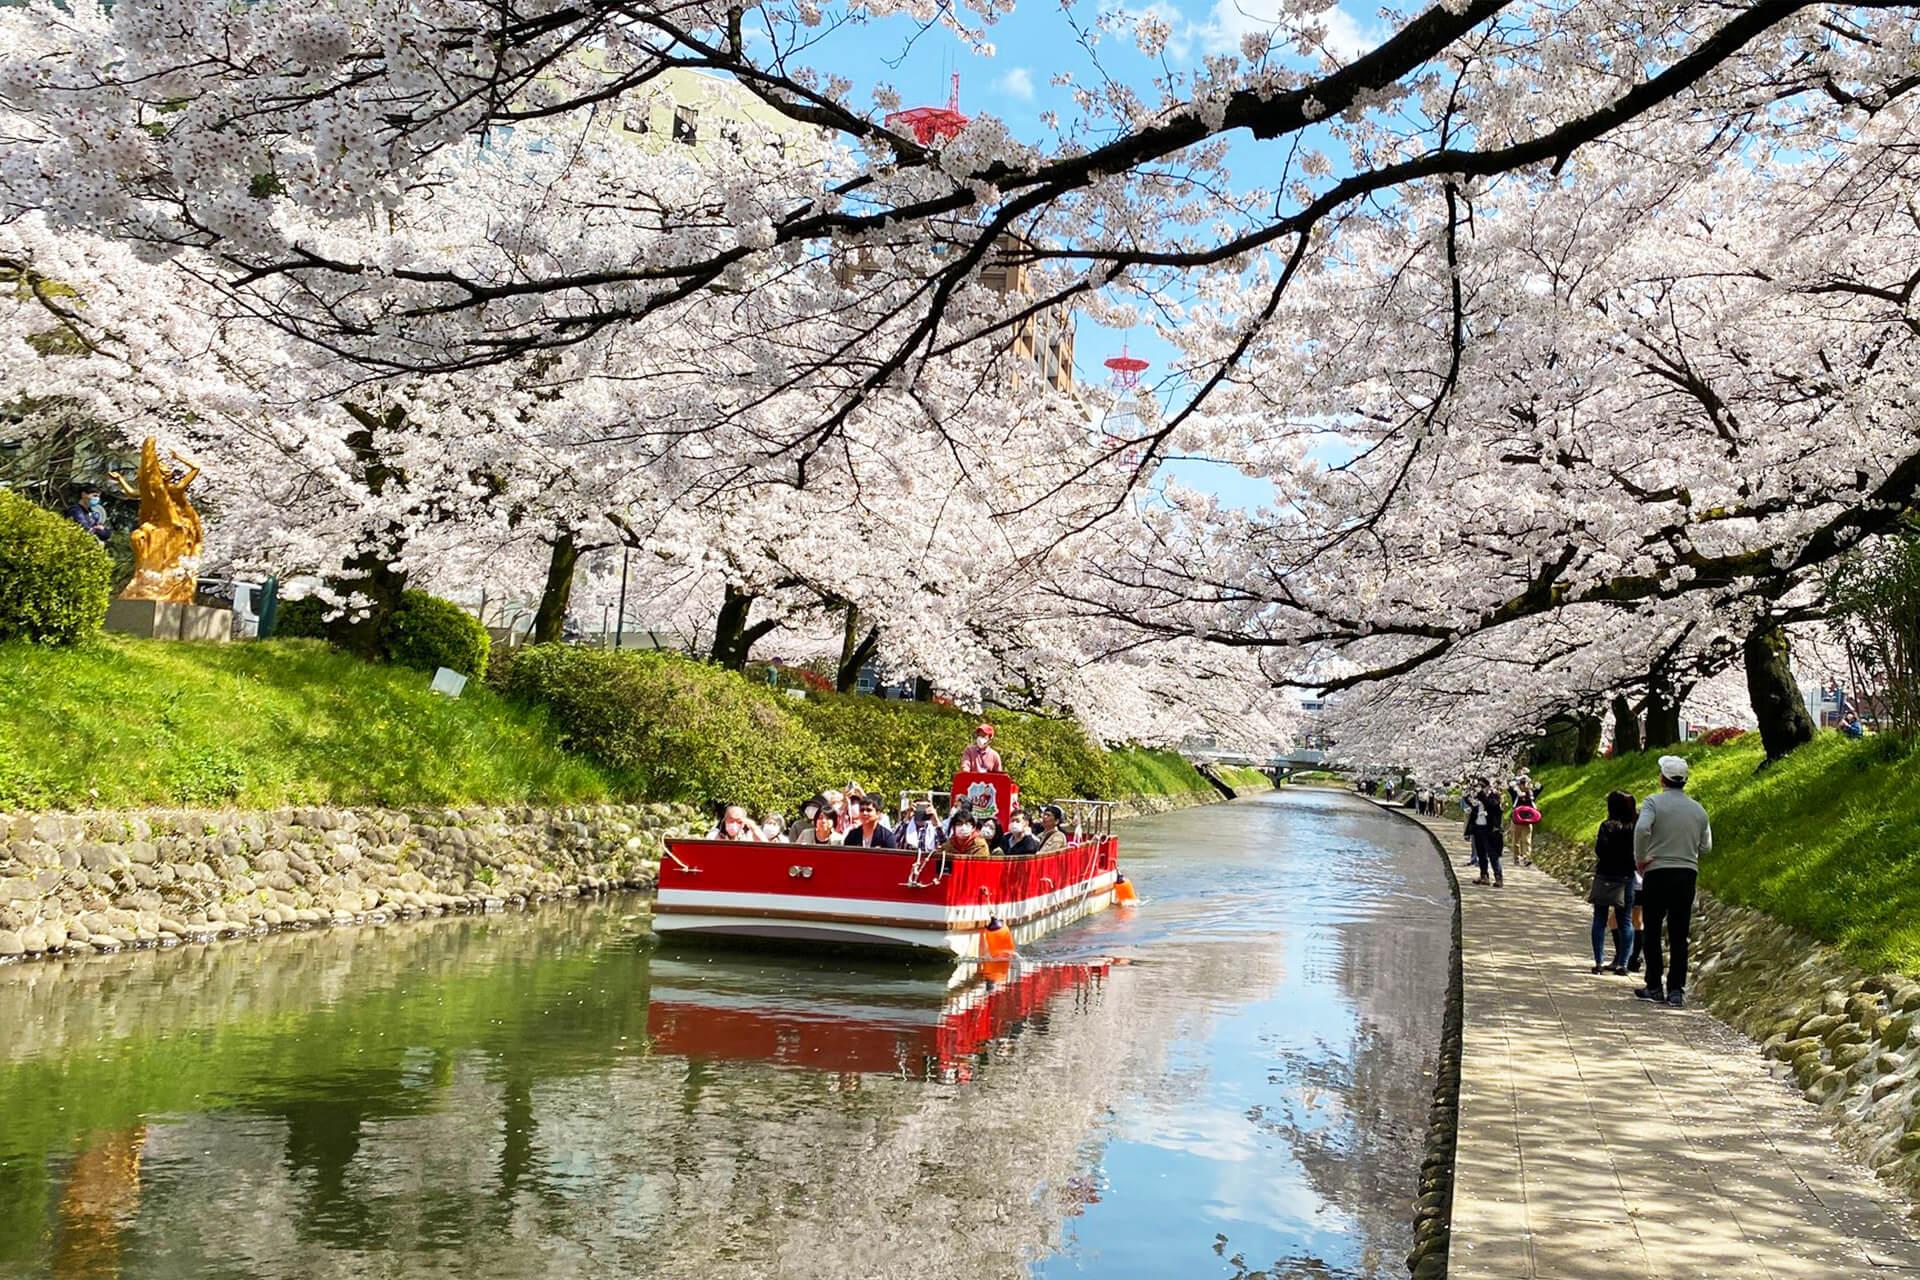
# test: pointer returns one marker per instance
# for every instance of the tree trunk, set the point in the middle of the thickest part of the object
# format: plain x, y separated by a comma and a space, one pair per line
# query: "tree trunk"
733, 635
1587, 745
730, 628
1626, 727
549, 621
1557, 743
855, 650
1663, 715
1784, 722
369, 572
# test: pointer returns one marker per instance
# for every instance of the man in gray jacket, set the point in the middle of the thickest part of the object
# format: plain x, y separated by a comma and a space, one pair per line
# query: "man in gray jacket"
1668, 840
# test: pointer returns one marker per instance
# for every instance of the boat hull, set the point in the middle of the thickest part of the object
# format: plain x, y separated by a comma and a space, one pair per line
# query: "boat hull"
826, 896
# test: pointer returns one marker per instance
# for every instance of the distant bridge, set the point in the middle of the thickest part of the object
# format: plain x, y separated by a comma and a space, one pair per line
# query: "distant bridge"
1299, 760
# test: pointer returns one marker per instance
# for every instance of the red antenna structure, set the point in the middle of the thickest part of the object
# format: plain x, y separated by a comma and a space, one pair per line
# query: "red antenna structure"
932, 125
1126, 370
1122, 422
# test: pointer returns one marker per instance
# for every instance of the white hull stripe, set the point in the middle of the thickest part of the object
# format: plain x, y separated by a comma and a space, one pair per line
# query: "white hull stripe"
936, 915
965, 945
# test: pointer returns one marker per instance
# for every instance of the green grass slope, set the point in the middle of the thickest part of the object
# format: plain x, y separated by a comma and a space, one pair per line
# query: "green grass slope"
1245, 781
1140, 771
129, 723
1826, 840
123, 723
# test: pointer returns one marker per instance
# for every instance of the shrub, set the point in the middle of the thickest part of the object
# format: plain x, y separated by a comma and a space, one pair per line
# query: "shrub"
427, 632
685, 730
889, 746
302, 619
1723, 735
54, 576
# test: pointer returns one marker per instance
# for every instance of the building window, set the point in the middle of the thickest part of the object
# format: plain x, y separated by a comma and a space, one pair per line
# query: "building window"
686, 125
639, 118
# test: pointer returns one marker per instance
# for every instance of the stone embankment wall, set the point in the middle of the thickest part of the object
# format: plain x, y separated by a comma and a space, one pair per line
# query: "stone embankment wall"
74, 883
104, 881
1846, 1038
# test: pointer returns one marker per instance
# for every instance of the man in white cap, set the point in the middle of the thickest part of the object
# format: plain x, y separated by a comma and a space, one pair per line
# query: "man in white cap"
1667, 843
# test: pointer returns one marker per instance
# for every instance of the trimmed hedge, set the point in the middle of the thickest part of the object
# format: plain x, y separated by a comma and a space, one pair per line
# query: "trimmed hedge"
889, 746
426, 632
690, 731
54, 575
684, 730
302, 619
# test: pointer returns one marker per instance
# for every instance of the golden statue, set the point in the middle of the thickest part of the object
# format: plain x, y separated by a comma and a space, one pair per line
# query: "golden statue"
167, 545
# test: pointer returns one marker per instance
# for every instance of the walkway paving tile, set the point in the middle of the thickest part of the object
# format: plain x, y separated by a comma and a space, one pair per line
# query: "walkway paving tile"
1603, 1137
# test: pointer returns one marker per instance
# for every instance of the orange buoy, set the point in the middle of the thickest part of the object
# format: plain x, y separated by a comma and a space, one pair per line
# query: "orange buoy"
997, 941
1123, 893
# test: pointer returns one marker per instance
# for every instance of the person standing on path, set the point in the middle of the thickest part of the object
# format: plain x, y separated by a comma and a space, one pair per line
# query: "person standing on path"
1668, 840
1613, 873
1526, 814
1484, 821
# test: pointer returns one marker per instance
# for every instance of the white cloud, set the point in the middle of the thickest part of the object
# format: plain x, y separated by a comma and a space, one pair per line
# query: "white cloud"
1017, 83
1345, 38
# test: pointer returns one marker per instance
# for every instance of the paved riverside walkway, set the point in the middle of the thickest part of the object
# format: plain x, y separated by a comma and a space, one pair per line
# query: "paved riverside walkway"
1602, 1137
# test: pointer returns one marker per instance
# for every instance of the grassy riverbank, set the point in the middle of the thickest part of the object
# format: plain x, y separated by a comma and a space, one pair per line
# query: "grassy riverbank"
1827, 840
122, 723
125, 723
1243, 780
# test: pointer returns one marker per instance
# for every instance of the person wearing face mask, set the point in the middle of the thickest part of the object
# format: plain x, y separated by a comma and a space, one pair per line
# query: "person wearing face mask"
980, 757
804, 823
1018, 842
90, 513
965, 842
734, 824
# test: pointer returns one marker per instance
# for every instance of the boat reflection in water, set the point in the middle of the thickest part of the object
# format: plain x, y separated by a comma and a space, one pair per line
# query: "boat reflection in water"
856, 1021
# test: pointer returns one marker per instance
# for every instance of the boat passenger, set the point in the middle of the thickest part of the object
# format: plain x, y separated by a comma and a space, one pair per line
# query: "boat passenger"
804, 823
821, 832
996, 839
735, 824
965, 842
837, 806
922, 832
869, 832
1018, 842
981, 758
774, 829
1053, 838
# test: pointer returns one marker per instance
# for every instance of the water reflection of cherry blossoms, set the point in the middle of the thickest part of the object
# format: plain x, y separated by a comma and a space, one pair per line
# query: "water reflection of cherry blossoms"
1227, 1082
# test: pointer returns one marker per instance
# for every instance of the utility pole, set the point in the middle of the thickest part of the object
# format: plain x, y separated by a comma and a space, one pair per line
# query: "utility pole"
620, 623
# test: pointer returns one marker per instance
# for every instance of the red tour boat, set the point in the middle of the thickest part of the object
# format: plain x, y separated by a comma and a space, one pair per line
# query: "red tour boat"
965, 908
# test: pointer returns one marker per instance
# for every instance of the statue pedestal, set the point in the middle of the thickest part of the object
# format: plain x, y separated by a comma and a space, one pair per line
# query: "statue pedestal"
162, 620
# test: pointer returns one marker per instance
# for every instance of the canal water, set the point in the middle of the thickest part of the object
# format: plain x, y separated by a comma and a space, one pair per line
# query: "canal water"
1231, 1081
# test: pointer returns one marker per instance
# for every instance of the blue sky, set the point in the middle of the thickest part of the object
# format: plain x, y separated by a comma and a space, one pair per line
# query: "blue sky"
1016, 83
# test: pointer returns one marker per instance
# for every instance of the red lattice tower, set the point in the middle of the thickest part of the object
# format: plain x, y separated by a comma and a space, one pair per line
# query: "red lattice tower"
932, 124
1126, 370
1122, 422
